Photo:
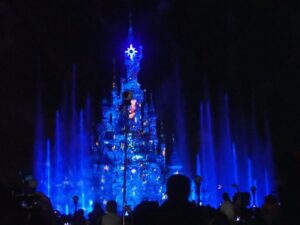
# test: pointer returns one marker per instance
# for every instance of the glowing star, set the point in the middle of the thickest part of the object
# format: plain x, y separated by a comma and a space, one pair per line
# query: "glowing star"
131, 52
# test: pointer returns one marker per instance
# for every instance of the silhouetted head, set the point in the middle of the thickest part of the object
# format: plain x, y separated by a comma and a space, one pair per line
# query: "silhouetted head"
178, 187
225, 196
111, 206
80, 213
97, 208
97, 205
270, 199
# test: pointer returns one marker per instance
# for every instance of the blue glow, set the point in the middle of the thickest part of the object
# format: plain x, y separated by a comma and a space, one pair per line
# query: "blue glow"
267, 188
48, 168
39, 144
180, 142
235, 167
268, 154
207, 155
67, 209
88, 164
255, 200
92, 169
250, 181
232, 147
131, 52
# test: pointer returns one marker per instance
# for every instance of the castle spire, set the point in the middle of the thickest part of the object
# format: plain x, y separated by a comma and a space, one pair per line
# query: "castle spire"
114, 84
130, 30
133, 54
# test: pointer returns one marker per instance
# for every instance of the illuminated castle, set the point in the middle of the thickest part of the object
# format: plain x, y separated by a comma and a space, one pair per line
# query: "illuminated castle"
129, 126
76, 162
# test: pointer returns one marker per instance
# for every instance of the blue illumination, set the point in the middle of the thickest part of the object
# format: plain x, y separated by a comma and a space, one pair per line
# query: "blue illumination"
131, 52
180, 142
48, 168
67, 209
90, 165
92, 169
232, 152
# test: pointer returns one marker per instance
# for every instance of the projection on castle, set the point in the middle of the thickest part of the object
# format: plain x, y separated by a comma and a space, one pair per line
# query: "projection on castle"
79, 161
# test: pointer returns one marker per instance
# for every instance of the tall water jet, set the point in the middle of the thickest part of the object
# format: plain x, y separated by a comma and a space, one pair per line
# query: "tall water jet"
88, 114
267, 183
198, 165
175, 162
58, 163
235, 164
181, 130
207, 153
225, 156
257, 155
250, 176
48, 169
81, 156
39, 146
39, 142
269, 165
83, 159
73, 128
58, 147
241, 154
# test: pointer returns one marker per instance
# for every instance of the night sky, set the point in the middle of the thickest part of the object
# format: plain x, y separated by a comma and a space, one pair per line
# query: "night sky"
250, 49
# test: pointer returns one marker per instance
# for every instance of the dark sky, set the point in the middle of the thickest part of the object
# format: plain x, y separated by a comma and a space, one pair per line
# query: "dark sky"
251, 49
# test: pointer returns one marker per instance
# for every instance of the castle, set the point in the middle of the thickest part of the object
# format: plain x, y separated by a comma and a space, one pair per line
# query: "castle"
125, 160
129, 129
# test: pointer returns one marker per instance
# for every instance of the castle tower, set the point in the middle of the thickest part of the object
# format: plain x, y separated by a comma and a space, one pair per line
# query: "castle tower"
145, 164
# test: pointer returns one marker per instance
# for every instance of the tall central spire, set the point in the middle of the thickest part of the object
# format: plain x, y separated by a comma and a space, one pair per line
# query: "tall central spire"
130, 30
133, 54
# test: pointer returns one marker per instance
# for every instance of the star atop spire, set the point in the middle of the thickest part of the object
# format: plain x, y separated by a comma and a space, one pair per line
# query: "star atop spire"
131, 52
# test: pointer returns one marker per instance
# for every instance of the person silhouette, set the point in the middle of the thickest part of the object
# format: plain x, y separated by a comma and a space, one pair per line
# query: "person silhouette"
78, 218
145, 212
95, 217
227, 207
177, 209
111, 217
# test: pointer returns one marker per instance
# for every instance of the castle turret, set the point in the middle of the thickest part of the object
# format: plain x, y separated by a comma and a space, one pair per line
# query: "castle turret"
145, 115
145, 165
152, 119
133, 58
115, 92
132, 55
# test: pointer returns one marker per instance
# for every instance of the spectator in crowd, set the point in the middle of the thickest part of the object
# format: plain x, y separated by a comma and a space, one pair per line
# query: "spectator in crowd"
111, 217
177, 209
227, 207
79, 218
145, 213
95, 217
270, 210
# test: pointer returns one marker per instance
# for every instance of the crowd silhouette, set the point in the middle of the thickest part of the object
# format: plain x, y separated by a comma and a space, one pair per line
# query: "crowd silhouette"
35, 208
